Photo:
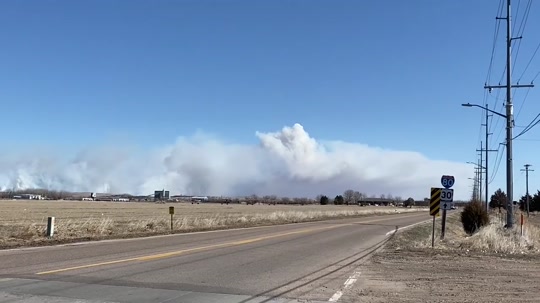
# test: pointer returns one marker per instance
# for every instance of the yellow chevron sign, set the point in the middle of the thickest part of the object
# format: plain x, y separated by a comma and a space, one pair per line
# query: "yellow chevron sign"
435, 201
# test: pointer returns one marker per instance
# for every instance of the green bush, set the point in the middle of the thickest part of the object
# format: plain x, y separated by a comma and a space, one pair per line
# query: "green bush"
338, 200
324, 200
473, 217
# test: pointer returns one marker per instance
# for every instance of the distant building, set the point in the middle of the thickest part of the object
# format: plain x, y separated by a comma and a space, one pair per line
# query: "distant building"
120, 199
199, 198
376, 201
29, 197
160, 195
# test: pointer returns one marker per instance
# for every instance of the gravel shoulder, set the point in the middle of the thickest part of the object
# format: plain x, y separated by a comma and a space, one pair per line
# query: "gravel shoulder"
409, 270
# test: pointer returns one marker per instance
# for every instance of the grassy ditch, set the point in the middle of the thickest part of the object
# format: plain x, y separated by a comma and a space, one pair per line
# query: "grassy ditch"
491, 239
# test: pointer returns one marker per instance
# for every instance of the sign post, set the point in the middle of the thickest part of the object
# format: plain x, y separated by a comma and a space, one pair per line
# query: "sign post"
50, 227
447, 199
171, 212
434, 206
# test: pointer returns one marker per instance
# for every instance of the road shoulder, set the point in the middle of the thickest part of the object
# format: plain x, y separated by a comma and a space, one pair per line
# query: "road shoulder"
451, 274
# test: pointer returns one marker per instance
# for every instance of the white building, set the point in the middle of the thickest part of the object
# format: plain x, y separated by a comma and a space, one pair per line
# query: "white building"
31, 197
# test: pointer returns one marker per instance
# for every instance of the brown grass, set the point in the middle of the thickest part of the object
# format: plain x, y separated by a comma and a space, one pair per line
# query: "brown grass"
491, 239
23, 223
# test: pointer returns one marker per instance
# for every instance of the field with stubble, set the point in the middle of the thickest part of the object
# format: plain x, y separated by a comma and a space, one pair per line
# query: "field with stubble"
24, 223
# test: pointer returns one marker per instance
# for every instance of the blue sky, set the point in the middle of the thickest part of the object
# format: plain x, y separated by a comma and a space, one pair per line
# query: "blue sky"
390, 74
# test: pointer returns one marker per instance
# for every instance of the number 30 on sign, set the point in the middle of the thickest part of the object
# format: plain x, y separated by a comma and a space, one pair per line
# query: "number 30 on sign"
447, 195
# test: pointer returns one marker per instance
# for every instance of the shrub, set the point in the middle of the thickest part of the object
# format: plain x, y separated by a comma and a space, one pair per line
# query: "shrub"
473, 217
408, 203
324, 200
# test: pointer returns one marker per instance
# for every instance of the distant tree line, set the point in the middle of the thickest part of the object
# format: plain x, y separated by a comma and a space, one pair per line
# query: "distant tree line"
349, 197
498, 201
51, 194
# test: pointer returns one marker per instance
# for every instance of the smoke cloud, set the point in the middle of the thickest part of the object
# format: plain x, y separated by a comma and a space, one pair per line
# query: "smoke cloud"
285, 163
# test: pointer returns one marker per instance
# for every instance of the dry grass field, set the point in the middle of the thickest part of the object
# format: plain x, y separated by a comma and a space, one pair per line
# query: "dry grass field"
23, 223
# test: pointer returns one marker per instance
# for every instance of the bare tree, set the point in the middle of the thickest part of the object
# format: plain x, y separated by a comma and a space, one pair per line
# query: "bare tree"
348, 196
270, 199
358, 196
382, 196
305, 201
273, 199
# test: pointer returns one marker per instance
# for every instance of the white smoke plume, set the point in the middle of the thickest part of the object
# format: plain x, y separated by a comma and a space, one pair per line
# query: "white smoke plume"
285, 163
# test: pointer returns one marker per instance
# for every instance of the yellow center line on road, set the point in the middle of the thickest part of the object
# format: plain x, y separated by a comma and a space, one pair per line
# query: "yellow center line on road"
202, 248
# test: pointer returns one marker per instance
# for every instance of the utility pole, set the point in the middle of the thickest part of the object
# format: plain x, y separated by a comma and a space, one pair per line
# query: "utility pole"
475, 184
478, 184
480, 176
527, 170
487, 150
474, 191
509, 118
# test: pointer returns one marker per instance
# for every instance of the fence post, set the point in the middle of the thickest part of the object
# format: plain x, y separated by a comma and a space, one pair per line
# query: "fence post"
521, 223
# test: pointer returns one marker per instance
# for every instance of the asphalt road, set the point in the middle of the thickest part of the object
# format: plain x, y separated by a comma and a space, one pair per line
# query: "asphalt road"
306, 262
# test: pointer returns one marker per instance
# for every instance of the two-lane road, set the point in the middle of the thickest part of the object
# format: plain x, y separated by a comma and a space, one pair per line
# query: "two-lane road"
307, 262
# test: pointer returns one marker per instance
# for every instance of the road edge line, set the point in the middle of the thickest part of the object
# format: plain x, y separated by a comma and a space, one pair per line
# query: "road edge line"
354, 277
348, 284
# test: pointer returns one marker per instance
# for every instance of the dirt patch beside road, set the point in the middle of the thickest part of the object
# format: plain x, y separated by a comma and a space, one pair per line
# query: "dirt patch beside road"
409, 270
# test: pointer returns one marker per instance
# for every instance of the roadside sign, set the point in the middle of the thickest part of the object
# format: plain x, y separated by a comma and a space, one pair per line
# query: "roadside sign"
171, 212
446, 205
447, 195
447, 181
435, 201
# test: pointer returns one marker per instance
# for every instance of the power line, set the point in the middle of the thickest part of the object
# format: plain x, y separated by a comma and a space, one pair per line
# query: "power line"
529, 63
497, 26
502, 108
523, 103
497, 121
533, 123
498, 161
529, 140
519, 41
535, 76
500, 131
495, 36
521, 28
